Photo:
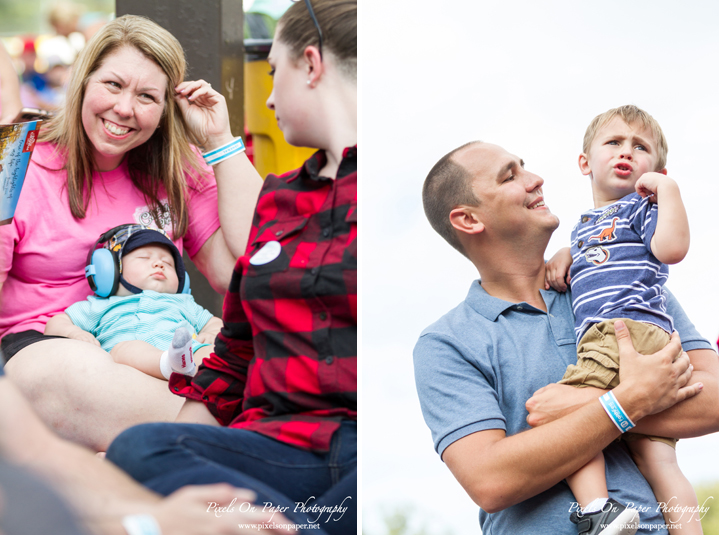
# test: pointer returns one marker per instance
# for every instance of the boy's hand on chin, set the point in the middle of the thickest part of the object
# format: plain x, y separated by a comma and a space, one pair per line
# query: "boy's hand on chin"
649, 184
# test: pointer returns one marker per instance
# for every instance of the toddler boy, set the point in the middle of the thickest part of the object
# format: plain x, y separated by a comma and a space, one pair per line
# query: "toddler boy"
161, 327
618, 258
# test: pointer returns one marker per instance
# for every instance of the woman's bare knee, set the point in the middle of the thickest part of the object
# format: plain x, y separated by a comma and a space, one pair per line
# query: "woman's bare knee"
78, 390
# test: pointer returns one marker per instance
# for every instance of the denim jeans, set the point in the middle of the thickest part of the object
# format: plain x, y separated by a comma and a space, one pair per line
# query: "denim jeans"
167, 456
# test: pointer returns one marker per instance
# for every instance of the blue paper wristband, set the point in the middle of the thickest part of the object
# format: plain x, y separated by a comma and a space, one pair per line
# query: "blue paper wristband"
616, 412
141, 525
220, 154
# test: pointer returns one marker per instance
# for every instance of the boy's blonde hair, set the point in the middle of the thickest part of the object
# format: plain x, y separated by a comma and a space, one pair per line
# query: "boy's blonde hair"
630, 114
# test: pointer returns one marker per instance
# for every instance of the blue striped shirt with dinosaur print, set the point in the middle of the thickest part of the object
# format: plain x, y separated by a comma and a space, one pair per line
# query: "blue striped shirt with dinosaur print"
614, 273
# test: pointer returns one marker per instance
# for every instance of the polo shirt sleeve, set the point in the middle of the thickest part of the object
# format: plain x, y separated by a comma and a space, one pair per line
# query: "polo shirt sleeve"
691, 339
456, 389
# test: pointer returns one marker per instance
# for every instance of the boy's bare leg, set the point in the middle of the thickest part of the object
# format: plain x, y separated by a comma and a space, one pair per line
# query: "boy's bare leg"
79, 391
657, 462
589, 482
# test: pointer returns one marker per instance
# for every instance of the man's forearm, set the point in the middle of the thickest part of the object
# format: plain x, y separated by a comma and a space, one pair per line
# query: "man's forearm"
498, 472
696, 416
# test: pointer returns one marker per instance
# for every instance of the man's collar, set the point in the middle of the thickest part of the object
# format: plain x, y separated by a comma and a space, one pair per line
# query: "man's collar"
484, 304
492, 307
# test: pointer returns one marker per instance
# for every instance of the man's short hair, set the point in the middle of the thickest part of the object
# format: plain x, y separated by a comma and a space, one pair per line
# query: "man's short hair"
447, 186
630, 114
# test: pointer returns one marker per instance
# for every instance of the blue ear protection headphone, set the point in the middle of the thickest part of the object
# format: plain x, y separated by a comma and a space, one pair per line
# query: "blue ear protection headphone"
102, 268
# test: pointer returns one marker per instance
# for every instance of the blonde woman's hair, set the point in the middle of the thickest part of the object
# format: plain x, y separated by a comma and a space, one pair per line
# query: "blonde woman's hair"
630, 114
163, 159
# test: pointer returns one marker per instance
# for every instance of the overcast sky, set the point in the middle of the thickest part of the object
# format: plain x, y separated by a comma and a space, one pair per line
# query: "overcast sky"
530, 76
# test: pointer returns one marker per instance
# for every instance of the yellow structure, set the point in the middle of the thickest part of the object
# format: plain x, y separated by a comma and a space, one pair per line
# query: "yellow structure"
272, 154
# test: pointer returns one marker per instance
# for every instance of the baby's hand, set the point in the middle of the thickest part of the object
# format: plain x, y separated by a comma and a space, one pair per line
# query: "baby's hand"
85, 336
649, 183
556, 271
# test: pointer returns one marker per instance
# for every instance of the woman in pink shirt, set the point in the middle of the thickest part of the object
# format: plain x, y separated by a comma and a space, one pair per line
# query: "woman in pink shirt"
119, 152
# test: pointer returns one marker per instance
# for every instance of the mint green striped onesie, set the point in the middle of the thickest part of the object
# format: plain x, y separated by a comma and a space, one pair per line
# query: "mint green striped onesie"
148, 316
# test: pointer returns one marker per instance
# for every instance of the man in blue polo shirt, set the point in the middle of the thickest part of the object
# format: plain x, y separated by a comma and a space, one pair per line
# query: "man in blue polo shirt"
478, 365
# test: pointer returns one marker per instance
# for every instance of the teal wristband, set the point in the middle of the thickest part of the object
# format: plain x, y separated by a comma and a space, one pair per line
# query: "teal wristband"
224, 152
141, 525
616, 412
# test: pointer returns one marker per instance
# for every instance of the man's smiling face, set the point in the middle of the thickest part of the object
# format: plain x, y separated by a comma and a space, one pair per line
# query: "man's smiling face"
510, 197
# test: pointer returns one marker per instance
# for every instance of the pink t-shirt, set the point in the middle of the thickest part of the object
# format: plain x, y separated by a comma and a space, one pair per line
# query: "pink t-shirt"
44, 250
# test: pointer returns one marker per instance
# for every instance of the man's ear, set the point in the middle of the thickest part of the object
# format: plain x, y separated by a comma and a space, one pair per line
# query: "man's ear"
464, 219
584, 164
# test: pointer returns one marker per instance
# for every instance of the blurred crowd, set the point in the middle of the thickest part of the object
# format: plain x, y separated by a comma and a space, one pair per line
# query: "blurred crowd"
43, 61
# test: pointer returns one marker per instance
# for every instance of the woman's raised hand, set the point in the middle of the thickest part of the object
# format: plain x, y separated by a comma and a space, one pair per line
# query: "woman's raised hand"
205, 112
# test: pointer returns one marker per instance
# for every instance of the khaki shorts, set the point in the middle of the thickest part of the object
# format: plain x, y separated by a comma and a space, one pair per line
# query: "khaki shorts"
598, 358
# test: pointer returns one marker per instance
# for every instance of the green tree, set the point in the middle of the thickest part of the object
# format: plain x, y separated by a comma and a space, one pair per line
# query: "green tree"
403, 520
19, 17
708, 496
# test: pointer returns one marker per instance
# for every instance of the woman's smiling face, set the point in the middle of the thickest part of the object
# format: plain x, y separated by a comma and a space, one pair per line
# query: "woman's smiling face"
124, 101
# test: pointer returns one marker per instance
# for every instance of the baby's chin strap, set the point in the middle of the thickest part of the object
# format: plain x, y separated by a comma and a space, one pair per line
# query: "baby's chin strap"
129, 287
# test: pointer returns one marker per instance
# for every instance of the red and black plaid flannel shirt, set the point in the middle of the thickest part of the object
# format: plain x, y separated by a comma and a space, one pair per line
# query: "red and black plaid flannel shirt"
285, 363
